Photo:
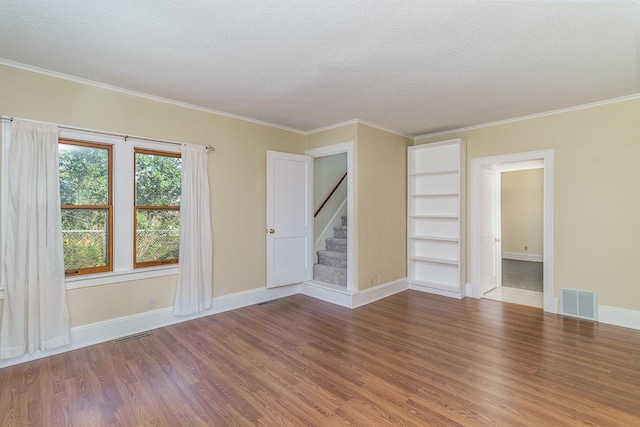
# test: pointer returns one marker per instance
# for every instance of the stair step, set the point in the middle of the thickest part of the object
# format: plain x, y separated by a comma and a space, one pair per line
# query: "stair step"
328, 274
344, 219
333, 259
336, 245
340, 232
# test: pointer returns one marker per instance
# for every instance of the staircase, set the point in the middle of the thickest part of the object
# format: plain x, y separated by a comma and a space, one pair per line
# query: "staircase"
332, 262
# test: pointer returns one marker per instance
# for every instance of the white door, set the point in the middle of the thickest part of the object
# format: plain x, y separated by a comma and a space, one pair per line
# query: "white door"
289, 228
490, 245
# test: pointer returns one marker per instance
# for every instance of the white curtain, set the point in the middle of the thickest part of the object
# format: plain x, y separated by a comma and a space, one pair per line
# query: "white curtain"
35, 315
196, 247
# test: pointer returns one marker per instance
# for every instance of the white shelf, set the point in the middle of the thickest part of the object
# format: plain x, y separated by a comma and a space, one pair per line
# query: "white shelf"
436, 260
442, 172
435, 195
443, 286
438, 238
436, 201
435, 216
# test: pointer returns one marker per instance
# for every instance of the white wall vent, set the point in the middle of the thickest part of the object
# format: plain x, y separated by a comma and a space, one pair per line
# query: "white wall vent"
578, 303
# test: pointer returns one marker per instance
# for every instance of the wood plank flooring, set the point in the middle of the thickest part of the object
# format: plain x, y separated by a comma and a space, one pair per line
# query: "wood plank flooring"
412, 359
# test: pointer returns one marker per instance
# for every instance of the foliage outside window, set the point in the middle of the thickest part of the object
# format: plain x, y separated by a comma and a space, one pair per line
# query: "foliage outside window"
87, 210
158, 186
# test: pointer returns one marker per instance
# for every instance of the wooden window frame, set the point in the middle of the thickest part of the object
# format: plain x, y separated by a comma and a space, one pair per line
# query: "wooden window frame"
108, 207
136, 207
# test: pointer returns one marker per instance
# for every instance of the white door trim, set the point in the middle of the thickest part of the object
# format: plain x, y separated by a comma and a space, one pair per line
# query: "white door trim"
352, 224
547, 158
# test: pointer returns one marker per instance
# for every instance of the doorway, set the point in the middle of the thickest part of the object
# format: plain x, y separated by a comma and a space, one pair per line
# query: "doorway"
486, 248
340, 212
520, 226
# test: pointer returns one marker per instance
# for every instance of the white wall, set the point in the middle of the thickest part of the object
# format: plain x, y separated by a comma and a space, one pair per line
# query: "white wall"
327, 172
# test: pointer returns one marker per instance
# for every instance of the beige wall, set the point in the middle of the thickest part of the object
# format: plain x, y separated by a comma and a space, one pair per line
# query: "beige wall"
597, 204
522, 211
335, 135
382, 206
381, 199
237, 177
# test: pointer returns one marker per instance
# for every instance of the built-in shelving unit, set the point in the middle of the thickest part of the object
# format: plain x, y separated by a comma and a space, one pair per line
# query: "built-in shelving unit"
436, 213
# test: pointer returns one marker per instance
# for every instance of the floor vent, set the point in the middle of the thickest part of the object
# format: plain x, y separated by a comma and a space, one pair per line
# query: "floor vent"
131, 337
577, 303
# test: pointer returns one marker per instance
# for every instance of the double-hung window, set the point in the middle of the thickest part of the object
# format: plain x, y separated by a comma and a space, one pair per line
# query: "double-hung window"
85, 171
120, 204
157, 207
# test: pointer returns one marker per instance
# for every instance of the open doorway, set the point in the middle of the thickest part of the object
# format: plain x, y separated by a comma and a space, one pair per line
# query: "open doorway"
486, 242
521, 236
334, 225
330, 179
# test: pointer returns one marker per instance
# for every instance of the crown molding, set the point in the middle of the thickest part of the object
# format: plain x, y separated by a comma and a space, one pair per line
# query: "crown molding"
532, 116
385, 129
142, 95
358, 121
329, 127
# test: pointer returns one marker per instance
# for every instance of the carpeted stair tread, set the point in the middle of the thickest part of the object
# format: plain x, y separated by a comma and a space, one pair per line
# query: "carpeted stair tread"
329, 274
332, 258
336, 244
340, 232
332, 262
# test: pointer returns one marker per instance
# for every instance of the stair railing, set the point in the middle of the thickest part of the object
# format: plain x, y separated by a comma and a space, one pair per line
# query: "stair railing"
330, 194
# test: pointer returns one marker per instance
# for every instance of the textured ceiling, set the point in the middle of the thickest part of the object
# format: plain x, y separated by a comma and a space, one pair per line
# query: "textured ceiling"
413, 66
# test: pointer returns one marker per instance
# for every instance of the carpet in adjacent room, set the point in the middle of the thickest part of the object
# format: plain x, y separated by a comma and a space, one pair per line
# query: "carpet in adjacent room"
522, 274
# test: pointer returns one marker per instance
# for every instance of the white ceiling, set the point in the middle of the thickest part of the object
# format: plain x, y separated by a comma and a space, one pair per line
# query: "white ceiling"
413, 66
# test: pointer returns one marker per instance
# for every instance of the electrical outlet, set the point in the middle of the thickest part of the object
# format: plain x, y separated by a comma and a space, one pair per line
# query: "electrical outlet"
370, 281
379, 279
152, 302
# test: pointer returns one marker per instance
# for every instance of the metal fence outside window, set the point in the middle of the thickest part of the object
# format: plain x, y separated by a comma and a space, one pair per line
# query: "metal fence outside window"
88, 248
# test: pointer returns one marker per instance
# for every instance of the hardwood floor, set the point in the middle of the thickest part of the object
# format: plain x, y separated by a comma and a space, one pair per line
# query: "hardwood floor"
412, 359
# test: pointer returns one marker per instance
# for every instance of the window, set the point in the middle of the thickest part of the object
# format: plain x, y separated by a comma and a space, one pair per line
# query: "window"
110, 235
87, 210
158, 183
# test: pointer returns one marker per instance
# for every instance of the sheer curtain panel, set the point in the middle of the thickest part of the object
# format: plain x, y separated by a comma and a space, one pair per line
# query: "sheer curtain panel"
194, 290
34, 315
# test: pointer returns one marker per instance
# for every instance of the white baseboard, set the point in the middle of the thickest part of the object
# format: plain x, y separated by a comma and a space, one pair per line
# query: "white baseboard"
326, 292
95, 333
469, 291
379, 292
619, 317
352, 299
436, 291
521, 256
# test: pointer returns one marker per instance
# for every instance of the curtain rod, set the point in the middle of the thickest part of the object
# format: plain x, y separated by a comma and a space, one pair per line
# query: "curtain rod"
101, 132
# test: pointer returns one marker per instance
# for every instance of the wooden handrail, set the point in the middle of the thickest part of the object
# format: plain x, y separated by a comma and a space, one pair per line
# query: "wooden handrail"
330, 194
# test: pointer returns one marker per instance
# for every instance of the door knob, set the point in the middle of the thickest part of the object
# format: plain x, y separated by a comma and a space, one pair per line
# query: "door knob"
497, 240
271, 231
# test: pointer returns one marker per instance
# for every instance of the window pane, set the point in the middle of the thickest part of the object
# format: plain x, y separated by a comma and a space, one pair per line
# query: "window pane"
158, 180
84, 175
85, 238
157, 235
